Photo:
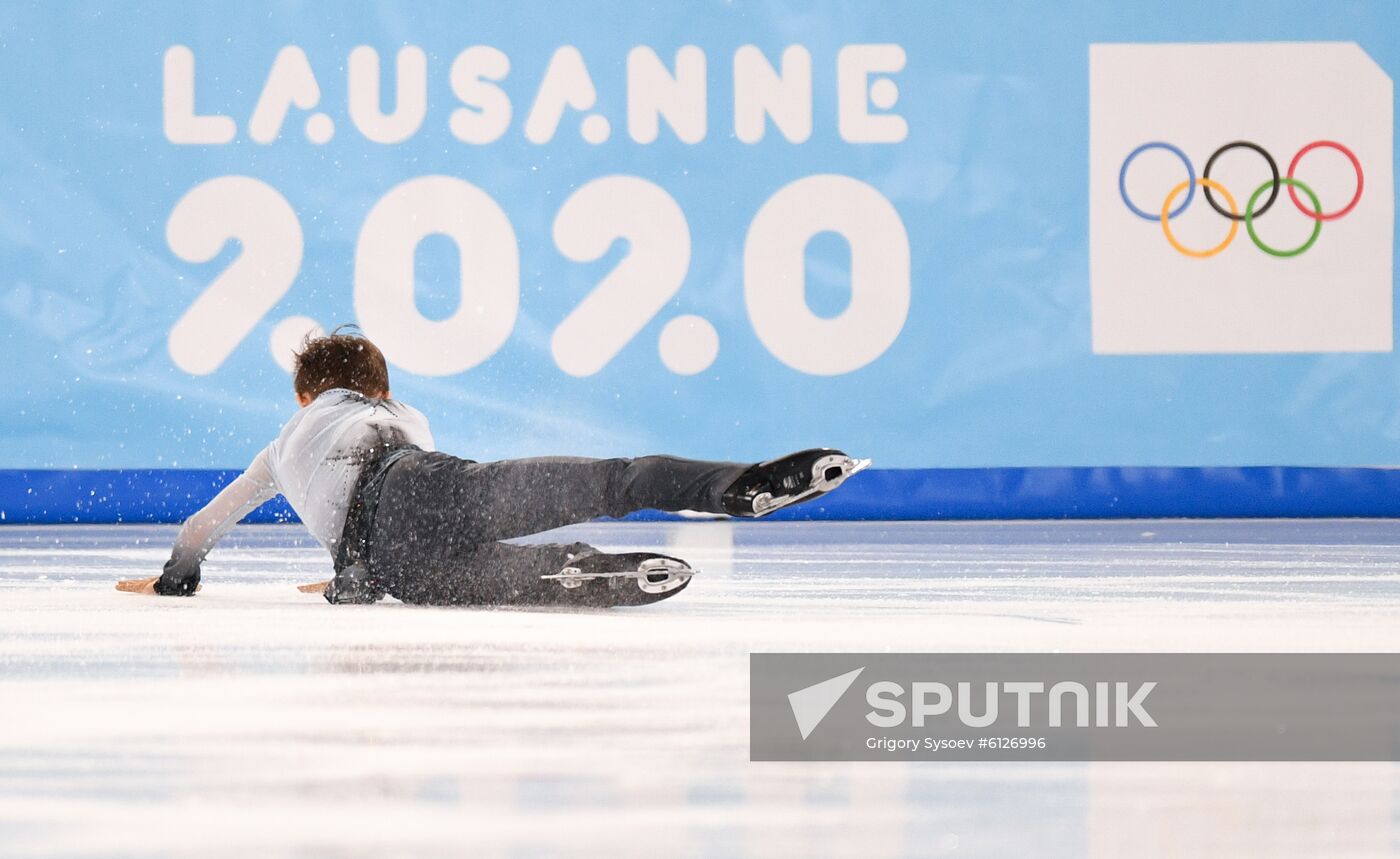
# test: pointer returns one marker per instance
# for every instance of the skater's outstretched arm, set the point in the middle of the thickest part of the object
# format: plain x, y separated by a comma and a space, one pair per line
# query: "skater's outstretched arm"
202, 530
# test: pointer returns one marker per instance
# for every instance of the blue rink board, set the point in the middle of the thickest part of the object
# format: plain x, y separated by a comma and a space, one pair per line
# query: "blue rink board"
170, 495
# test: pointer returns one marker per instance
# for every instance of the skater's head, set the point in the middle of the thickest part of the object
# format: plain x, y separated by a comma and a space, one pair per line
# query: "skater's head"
339, 360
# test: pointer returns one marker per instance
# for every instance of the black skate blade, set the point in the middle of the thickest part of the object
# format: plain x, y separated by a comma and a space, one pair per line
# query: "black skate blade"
828, 473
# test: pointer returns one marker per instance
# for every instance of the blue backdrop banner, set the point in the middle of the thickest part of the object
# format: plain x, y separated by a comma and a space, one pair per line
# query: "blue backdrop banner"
1077, 242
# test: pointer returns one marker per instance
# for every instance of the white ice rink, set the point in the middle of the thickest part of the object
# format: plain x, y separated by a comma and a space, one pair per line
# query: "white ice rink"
255, 721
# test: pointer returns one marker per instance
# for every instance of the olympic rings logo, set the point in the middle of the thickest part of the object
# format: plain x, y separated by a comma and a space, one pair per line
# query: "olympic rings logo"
1250, 212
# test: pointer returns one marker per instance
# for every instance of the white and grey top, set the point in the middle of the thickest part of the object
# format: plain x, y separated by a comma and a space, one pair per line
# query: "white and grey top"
315, 462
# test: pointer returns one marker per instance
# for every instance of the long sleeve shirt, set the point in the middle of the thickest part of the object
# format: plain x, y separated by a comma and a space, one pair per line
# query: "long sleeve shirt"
315, 462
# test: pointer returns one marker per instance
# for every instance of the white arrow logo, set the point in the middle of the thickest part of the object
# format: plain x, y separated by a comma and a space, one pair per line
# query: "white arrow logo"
810, 705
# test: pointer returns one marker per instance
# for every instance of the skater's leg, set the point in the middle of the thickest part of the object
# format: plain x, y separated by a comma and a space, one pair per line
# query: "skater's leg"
434, 508
444, 504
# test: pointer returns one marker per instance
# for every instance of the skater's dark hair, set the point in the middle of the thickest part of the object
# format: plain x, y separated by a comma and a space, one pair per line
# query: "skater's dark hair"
342, 359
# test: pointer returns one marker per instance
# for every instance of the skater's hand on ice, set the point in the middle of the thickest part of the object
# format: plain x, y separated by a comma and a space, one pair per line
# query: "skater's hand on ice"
314, 587
180, 579
138, 586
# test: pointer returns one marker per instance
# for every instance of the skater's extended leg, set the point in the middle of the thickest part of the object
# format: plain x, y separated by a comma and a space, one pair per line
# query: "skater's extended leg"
445, 504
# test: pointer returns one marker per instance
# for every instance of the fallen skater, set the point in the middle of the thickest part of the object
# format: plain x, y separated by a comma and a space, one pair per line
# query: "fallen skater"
360, 470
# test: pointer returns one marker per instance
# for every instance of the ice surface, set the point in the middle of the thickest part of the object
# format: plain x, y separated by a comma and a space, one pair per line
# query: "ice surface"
254, 721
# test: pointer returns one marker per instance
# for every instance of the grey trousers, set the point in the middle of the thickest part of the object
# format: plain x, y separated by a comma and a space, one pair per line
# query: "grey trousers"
439, 521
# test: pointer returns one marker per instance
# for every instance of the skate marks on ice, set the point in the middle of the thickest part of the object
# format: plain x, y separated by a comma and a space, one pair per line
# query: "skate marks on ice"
254, 720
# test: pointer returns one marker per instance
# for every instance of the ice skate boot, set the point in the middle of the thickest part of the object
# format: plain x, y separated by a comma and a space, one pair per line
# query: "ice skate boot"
634, 578
787, 480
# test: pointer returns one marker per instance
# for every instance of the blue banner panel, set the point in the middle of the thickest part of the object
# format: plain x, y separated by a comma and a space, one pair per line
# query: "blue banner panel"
169, 495
1022, 238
